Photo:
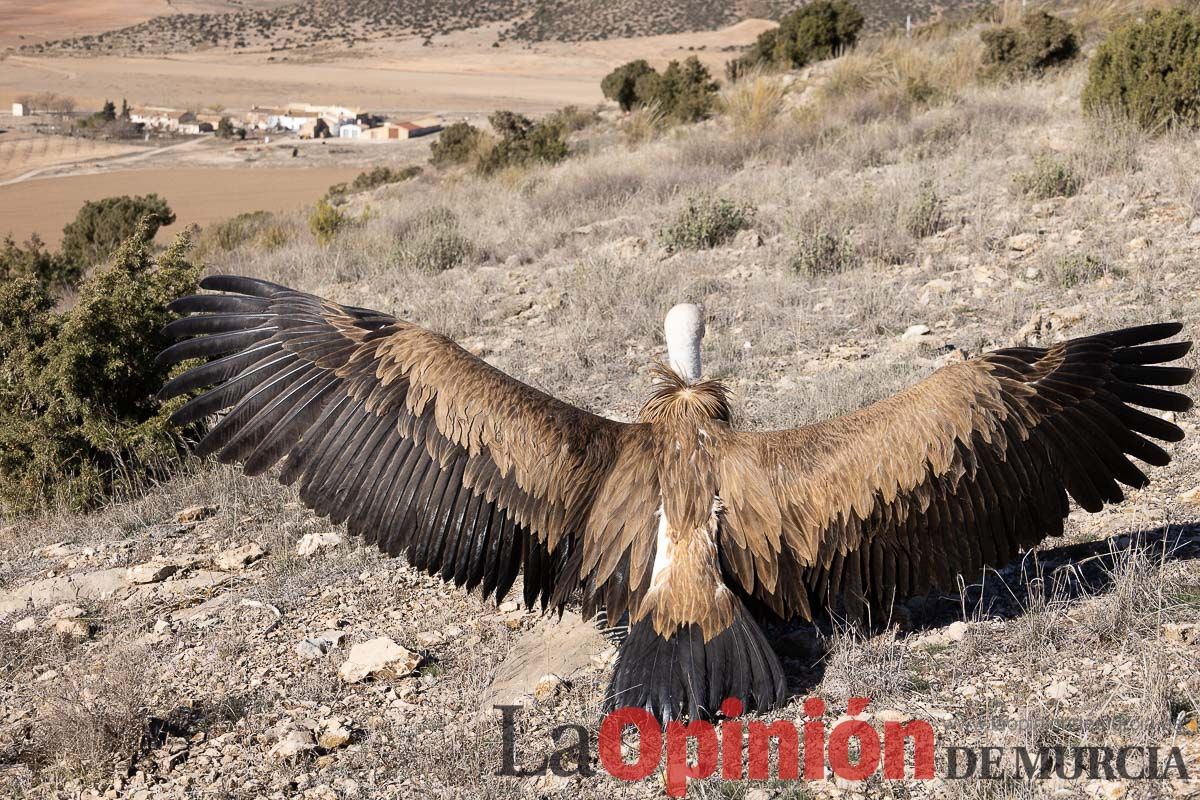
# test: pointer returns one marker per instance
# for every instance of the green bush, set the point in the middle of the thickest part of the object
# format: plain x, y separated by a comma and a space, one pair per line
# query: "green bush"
522, 141
574, 118
454, 145
621, 84
432, 241
706, 222
819, 30
326, 221
1048, 178
78, 416
34, 261
825, 252
371, 179
1042, 41
1149, 72
102, 225
684, 92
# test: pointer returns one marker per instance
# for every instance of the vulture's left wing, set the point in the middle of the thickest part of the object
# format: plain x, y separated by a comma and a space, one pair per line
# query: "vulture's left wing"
416, 444
960, 471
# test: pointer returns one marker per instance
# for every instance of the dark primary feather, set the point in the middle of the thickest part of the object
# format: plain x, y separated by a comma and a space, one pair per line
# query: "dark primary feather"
390, 429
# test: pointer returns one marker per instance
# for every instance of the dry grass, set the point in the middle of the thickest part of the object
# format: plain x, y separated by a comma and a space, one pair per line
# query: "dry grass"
754, 104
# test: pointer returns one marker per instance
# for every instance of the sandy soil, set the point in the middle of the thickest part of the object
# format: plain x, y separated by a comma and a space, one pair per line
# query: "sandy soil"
197, 196
458, 73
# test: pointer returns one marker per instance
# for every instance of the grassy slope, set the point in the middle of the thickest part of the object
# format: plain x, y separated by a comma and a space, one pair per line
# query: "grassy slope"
576, 310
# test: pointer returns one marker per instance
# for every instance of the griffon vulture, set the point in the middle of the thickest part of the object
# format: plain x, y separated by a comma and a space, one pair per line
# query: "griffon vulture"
679, 519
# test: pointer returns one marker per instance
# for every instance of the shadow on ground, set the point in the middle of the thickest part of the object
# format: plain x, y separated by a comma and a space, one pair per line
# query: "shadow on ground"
1063, 574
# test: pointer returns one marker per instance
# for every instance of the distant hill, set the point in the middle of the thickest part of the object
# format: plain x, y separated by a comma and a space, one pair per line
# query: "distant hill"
345, 23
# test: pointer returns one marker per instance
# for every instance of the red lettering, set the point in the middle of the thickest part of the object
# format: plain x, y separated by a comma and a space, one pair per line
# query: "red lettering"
678, 768
731, 740
649, 743
894, 734
788, 745
814, 739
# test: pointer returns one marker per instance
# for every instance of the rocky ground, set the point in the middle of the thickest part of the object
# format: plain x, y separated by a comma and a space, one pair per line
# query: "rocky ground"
212, 638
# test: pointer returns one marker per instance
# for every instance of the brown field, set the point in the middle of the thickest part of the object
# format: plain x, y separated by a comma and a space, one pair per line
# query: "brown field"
197, 196
25, 22
21, 152
459, 73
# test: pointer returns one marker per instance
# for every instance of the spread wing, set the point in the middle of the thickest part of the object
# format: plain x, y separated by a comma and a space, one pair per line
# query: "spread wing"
962, 470
417, 445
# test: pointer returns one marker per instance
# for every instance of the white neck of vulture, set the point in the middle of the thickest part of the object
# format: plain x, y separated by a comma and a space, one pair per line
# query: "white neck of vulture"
685, 328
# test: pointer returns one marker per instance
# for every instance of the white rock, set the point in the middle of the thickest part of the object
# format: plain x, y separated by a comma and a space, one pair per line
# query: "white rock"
293, 743
195, 513
748, 240
956, 631
1195, 226
1022, 242
968, 691
547, 687
378, 657
1058, 690
1191, 496
1140, 243
65, 611
311, 649
313, 542
151, 572
24, 625
332, 638
333, 734
240, 557
915, 332
162, 626
73, 628
430, 638
1186, 632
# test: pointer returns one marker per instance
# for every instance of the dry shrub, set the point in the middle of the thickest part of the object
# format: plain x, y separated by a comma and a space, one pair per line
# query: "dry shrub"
867, 666
645, 124
825, 252
902, 73
93, 722
1047, 178
706, 222
432, 241
753, 104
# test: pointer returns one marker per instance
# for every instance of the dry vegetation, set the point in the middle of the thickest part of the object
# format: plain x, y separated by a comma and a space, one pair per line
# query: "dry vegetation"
346, 23
889, 190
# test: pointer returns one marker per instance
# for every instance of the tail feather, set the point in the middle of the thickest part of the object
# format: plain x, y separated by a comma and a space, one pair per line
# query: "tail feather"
685, 675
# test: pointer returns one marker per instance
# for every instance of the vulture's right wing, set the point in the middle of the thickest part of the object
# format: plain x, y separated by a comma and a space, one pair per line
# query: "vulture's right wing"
419, 446
960, 471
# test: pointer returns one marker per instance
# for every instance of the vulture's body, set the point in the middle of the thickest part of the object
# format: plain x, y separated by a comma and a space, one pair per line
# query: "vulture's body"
679, 519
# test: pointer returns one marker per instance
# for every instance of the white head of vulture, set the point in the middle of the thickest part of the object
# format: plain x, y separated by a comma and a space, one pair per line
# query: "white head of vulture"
679, 519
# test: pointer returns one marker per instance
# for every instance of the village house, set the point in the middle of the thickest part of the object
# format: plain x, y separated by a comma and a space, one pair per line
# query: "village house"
404, 130
20, 110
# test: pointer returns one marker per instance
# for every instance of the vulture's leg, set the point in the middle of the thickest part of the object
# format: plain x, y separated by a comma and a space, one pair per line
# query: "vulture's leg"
685, 673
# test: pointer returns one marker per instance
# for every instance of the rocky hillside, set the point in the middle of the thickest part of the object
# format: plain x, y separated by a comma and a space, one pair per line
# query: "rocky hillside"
213, 638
